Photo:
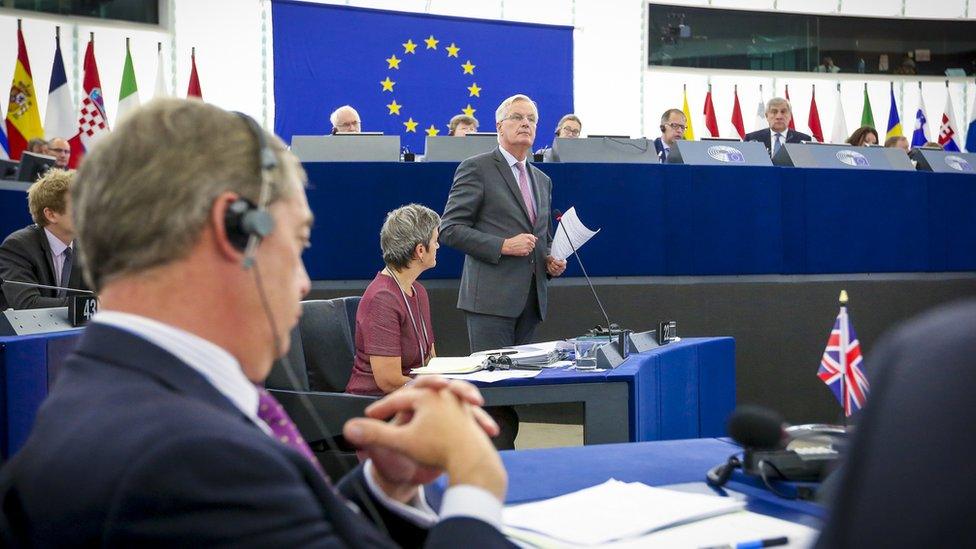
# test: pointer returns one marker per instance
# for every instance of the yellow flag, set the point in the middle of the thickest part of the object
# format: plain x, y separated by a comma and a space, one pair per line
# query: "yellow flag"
23, 115
689, 132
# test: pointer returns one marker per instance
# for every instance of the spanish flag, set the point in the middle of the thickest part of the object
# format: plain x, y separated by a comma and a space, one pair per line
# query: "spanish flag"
23, 116
689, 132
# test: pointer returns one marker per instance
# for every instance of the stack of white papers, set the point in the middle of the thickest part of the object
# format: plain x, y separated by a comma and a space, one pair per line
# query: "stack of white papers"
611, 511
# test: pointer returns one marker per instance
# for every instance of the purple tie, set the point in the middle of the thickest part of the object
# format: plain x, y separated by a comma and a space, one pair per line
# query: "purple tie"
283, 428
526, 191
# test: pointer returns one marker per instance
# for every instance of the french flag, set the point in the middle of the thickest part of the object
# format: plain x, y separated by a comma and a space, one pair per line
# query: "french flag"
61, 117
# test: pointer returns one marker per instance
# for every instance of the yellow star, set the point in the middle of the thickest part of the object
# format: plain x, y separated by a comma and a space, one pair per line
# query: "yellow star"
411, 125
468, 111
393, 62
432, 131
452, 50
388, 84
409, 46
468, 67
394, 107
473, 88
431, 42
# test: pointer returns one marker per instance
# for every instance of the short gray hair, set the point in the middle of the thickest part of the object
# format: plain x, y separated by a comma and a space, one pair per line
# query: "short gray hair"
334, 117
145, 191
502, 111
778, 101
667, 115
566, 117
404, 228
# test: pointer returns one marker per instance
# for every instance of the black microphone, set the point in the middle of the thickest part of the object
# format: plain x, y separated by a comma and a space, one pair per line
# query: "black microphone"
45, 286
558, 214
755, 427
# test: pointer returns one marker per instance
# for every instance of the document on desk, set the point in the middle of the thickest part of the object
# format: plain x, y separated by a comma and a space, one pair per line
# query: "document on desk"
452, 365
612, 511
579, 234
486, 376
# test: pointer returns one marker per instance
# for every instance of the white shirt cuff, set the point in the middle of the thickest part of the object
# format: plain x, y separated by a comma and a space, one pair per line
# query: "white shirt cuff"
465, 500
417, 511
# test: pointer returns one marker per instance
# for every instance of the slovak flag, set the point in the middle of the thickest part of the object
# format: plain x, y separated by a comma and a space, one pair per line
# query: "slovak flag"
949, 128
840, 367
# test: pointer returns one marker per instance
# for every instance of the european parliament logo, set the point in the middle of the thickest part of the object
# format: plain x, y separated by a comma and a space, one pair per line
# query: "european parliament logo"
853, 158
958, 163
724, 153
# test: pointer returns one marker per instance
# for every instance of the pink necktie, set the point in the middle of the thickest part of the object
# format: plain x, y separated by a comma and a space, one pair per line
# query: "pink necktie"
283, 428
526, 191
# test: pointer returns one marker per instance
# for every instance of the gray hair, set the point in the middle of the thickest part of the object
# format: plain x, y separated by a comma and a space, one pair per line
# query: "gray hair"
404, 228
778, 101
667, 115
145, 191
334, 117
566, 117
502, 111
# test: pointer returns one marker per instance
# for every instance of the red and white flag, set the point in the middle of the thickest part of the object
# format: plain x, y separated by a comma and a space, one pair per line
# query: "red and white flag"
194, 89
813, 121
92, 120
737, 115
792, 124
711, 122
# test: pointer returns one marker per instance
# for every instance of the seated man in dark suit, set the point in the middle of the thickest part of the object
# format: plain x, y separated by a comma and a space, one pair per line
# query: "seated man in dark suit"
158, 432
778, 115
42, 253
673, 126
907, 480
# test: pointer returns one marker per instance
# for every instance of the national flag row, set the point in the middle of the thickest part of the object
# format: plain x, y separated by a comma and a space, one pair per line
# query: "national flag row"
948, 135
81, 124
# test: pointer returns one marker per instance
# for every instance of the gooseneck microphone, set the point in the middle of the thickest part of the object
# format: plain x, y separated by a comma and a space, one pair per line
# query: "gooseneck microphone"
558, 215
757, 428
45, 286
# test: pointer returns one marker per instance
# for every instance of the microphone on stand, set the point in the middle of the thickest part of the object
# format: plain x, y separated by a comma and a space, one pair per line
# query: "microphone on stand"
558, 215
45, 286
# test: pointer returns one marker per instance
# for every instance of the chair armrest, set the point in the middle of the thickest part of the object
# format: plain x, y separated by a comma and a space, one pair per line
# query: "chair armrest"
331, 409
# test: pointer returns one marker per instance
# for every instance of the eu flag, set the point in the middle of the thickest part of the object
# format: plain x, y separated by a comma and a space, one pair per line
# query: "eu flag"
408, 74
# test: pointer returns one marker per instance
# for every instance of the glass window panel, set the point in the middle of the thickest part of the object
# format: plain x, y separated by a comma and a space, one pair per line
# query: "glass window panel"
137, 11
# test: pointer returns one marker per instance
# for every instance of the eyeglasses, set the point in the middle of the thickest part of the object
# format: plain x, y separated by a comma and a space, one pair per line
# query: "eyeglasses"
519, 118
570, 131
59, 151
676, 126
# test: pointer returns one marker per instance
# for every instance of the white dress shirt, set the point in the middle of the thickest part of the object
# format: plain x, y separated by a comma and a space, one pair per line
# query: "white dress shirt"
224, 372
57, 254
772, 139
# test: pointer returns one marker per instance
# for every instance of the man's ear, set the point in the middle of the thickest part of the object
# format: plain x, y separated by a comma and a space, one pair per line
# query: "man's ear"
217, 223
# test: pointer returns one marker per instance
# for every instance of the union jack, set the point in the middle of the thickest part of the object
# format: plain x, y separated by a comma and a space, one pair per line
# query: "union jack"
840, 367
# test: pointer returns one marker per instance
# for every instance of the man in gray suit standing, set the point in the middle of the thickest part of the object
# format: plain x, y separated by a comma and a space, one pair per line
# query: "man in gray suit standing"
498, 215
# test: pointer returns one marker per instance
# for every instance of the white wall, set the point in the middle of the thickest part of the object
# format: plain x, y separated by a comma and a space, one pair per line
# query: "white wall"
614, 91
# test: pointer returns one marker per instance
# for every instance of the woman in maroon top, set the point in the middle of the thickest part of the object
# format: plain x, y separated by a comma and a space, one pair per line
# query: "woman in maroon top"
393, 328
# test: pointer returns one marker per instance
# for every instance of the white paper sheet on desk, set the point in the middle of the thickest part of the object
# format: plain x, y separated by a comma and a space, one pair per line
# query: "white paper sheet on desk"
486, 376
612, 511
578, 233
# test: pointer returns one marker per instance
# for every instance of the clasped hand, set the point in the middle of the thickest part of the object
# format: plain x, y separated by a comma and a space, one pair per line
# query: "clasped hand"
430, 426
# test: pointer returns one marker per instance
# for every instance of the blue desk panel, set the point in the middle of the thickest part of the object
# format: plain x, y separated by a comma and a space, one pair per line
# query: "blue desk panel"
680, 220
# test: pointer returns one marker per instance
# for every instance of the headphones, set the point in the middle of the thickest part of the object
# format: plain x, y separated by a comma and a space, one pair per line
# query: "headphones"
247, 224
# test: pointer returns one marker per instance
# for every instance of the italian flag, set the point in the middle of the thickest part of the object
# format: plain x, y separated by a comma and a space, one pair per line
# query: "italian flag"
129, 92
23, 116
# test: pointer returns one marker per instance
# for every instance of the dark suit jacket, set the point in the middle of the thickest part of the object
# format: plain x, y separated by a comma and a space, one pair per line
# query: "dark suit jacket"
908, 478
484, 208
765, 137
133, 448
25, 256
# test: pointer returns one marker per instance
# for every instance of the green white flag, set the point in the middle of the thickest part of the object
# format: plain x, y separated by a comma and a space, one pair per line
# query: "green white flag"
867, 117
129, 92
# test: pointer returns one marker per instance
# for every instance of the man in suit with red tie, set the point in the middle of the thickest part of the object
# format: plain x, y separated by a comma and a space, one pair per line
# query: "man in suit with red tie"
158, 432
778, 115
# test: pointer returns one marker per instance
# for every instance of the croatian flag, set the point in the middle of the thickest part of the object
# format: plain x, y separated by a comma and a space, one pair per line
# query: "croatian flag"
840, 367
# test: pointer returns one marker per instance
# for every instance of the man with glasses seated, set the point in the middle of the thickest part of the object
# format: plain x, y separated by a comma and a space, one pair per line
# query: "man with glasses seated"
60, 149
673, 126
345, 119
497, 214
569, 127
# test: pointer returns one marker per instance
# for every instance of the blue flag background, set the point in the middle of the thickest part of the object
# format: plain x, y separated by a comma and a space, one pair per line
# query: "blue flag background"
327, 56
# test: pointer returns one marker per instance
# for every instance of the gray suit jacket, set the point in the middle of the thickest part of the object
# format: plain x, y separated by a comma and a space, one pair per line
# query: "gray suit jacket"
484, 208
25, 256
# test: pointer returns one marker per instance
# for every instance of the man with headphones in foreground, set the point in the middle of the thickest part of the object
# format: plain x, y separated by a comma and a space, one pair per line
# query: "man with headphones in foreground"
192, 222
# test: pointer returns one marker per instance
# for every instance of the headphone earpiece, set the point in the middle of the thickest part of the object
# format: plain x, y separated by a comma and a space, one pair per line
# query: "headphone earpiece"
662, 128
242, 219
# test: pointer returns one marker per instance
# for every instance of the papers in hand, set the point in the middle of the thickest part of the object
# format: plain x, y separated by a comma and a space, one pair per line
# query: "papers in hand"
578, 232
612, 511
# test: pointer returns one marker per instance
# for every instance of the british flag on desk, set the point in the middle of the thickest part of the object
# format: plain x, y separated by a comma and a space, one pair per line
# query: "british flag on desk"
840, 367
